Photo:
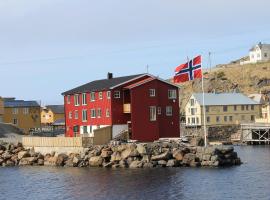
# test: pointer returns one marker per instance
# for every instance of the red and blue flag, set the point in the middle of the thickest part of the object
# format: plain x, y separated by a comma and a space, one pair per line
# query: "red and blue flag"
188, 71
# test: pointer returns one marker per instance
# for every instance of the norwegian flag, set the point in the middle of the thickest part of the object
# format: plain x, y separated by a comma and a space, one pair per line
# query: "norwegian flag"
188, 71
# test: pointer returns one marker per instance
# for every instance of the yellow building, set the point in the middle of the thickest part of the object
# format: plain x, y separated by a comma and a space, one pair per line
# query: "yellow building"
221, 109
52, 113
1, 109
264, 100
23, 114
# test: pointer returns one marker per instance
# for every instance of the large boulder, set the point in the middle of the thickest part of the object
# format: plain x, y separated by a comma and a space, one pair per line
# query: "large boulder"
61, 158
96, 161
136, 164
130, 151
27, 161
50, 160
106, 153
141, 149
23, 154
164, 156
178, 155
188, 158
116, 156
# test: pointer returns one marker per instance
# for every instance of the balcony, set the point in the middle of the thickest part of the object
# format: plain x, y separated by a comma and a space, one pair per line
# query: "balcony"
126, 108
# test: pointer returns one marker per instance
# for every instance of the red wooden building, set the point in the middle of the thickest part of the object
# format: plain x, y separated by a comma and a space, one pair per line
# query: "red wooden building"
145, 105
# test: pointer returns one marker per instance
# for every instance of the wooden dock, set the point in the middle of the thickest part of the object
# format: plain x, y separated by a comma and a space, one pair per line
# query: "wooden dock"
255, 133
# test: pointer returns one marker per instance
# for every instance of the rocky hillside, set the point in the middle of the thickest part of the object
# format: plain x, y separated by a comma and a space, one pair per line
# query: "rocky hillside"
248, 79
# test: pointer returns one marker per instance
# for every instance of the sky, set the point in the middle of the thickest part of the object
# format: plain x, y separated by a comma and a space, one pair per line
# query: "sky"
50, 46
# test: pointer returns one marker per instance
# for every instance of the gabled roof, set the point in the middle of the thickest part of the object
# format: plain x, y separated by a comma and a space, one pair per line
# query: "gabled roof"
261, 46
103, 84
57, 109
213, 99
140, 83
20, 103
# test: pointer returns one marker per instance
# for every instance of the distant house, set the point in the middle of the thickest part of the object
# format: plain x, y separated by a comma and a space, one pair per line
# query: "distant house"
1, 109
143, 105
23, 114
221, 109
52, 113
265, 108
258, 53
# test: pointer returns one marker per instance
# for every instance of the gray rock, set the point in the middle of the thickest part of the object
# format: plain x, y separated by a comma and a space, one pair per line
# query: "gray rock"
162, 163
23, 154
164, 156
95, 161
136, 164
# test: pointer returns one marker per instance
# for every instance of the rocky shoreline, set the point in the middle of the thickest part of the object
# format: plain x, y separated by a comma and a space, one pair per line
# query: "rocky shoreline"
129, 155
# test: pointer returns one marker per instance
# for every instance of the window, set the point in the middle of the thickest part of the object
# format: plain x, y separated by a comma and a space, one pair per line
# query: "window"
84, 115
193, 120
76, 100
206, 108
265, 55
99, 112
83, 99
153, 114
225, 119
193, 111
208, 119
15, 121
68, 99
231, 118
246, 107
70, 115
189, 120
242, 107
192, 102
168, 110
235, 107
15, 111
252, 107
76, 116
93, 113
107, 112
108, 94
159, 110
25, 111
197, 120
117, 94
92, 96
152, 92
85, 129
252, 118
225, 108
172, 94
217, 118
100, 95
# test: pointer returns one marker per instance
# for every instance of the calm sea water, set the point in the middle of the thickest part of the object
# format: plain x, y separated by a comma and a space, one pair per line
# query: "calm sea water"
248, 181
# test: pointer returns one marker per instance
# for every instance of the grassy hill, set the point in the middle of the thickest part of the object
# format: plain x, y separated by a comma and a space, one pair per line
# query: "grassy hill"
248, 79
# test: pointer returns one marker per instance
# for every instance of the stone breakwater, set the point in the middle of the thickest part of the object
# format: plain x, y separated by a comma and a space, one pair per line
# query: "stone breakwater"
131, 155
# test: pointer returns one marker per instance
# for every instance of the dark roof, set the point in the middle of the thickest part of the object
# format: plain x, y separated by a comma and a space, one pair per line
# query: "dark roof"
100, 85
59, 122
58, 109
20, 103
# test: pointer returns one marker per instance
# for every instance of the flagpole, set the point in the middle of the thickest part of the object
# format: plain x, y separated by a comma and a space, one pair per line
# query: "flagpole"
204, 117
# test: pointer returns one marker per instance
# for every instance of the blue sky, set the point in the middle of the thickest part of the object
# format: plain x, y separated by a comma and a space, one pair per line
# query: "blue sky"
49, 46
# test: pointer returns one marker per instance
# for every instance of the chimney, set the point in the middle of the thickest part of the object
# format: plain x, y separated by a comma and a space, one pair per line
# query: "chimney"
109, 75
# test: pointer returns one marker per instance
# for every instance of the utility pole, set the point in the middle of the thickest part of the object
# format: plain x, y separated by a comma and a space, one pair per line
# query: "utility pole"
210, 61
147, 69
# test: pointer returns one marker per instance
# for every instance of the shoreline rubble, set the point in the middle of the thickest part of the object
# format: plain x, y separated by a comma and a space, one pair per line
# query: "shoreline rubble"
127, 155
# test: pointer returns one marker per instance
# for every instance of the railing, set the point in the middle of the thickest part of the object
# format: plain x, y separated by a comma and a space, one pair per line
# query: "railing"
126, 108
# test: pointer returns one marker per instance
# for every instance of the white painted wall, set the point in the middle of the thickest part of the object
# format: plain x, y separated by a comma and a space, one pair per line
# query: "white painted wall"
116, 129
90, 129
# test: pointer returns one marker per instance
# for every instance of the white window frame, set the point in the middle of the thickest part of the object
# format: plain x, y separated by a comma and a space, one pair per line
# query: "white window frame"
76, 99
84, 115
76, 114
153, 113
159, 111
93, 113
172, 94
92, 96
99, 113
117, 94
152, 92
107, 112
100, 95
25, 111
15, 111
108, 94
84, 102
68, 99
169, 111
70, 115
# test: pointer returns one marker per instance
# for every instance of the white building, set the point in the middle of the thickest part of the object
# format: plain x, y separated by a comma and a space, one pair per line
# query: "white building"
258, 53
